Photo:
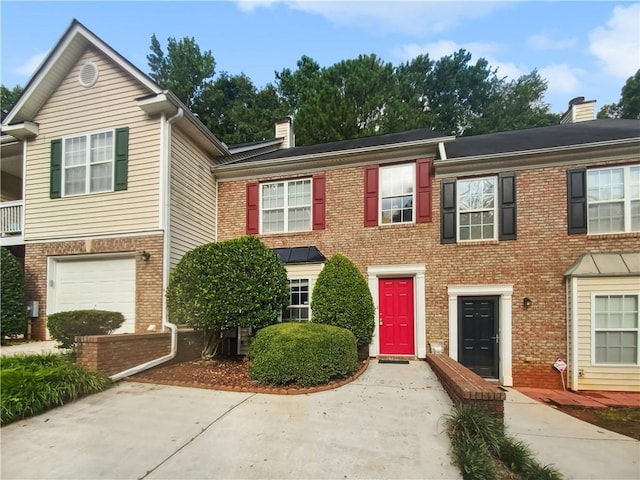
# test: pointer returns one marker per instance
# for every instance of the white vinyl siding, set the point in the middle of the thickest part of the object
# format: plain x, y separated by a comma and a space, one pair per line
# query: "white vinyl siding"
74, 110
594, 376
193, 197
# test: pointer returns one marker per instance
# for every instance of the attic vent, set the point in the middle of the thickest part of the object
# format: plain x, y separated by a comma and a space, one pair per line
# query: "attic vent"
88, 74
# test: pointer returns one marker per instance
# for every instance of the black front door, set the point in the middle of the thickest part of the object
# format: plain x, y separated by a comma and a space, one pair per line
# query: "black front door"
478, 335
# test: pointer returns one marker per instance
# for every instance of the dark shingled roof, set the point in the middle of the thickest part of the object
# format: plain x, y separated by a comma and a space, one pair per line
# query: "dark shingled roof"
300, 255
375, 141
543, 137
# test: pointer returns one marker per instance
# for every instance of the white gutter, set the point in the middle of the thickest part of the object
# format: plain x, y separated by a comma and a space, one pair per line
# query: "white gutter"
165, 163
442, 151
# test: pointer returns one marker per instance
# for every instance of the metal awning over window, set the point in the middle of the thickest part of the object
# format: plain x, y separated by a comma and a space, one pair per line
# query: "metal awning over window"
300, 255
605, 265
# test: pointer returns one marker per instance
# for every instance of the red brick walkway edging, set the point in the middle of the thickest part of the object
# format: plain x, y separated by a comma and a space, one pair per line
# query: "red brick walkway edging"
261, 389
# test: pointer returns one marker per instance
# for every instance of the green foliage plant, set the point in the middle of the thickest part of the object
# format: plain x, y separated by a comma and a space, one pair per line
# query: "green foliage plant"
302, 354
13, 309
32, 384
482, 449
235, 283
341, 297
66, 326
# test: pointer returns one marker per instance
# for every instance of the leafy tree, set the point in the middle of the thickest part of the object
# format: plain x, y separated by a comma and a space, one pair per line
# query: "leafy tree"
630, 97
13, 311
9, 97
184, 69
218, 286
341, 298
629, 104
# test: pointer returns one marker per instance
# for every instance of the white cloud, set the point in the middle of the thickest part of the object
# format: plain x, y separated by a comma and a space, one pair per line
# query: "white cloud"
544, 42
617, 43
30, 64
408, 17
561, 79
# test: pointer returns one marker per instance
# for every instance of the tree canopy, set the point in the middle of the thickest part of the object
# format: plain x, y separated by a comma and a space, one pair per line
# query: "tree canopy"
9, 96
629, 104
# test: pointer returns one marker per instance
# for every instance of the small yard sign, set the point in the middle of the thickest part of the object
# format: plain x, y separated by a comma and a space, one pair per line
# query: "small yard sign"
560, 365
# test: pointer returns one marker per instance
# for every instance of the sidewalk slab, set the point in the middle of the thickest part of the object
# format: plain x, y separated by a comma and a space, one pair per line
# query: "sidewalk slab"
579, 450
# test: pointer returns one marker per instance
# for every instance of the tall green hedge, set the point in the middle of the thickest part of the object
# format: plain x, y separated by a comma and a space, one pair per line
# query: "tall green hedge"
13, 309
302, 354
341, 297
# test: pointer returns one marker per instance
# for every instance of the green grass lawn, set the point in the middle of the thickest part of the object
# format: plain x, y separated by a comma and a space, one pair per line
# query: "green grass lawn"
32, 384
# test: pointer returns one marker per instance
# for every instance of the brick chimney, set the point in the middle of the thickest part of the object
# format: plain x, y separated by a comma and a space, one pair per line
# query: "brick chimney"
284, 130
580, 110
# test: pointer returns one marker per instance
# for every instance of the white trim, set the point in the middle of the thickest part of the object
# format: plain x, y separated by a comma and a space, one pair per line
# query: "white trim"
381, 169
505, 292
73, 238
574, 334
417, 272
495, 208
593, 329
285, 208
162, 221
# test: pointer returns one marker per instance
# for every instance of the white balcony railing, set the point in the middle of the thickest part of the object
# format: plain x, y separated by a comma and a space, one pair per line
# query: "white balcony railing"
11, 218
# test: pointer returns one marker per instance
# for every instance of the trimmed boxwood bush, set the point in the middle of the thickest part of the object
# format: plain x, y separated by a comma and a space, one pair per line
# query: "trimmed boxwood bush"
13, 310
302, 354
65, 326
341, 297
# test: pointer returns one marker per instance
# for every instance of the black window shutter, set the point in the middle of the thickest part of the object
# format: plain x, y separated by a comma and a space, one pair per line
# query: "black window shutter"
121, 159
55, 171
577, 201
448, 211
507, 206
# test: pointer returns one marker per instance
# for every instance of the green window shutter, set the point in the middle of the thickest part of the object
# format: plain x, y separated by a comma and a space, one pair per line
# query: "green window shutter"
122, 159
507, 206
448, 211
55, 171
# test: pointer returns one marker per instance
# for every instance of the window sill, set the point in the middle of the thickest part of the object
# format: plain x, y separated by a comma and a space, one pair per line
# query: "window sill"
464, 243
285, 234
397, 225
606, 236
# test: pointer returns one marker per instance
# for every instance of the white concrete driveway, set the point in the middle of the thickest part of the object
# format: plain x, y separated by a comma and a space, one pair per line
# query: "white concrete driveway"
387, 424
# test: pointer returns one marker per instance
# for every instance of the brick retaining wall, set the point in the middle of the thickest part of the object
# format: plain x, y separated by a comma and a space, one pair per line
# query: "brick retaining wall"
116, 353
467, 388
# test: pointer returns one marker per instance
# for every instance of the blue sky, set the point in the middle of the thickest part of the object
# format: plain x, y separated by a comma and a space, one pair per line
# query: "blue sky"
582, 48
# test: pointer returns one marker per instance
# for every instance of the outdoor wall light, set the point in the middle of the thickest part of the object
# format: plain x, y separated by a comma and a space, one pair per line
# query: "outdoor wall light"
527, 302
145, 255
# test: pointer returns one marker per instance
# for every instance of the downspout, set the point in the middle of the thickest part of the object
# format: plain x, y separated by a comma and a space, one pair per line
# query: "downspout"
165, 163
574, 334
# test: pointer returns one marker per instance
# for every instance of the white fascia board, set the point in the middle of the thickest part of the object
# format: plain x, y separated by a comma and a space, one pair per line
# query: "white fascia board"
22, 130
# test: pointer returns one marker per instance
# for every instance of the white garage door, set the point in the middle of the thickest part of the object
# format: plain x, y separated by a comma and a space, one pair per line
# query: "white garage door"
100, 284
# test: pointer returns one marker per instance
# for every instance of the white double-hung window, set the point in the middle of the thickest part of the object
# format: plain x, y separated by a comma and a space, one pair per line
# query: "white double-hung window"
88, 163
615, 323
613, 196
477, 201
299, 301
397, 194
285, 206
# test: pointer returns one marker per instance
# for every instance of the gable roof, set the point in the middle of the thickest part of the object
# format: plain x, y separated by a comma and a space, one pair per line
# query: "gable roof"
543, 138
56, 66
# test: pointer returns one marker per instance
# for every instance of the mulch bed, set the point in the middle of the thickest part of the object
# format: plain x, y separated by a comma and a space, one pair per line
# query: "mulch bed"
227, 374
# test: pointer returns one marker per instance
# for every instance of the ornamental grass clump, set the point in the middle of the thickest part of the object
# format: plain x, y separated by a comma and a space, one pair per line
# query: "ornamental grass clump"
302, 354
32, 384
482, 449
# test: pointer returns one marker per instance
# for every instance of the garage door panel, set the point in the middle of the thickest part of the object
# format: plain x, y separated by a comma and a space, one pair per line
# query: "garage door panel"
102, 284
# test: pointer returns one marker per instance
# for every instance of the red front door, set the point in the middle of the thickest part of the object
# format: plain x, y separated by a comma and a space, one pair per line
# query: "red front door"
395, 316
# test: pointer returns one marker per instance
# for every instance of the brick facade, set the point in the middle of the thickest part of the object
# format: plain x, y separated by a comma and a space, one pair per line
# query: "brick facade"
148, 296
534, 263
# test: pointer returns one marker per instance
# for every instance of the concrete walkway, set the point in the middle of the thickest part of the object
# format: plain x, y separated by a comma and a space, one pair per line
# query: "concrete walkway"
577, 449
48, 346
389, 423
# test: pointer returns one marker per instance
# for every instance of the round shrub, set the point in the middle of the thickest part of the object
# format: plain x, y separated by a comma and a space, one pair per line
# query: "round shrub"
13, 309
302, 354
341, 297
66, 326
